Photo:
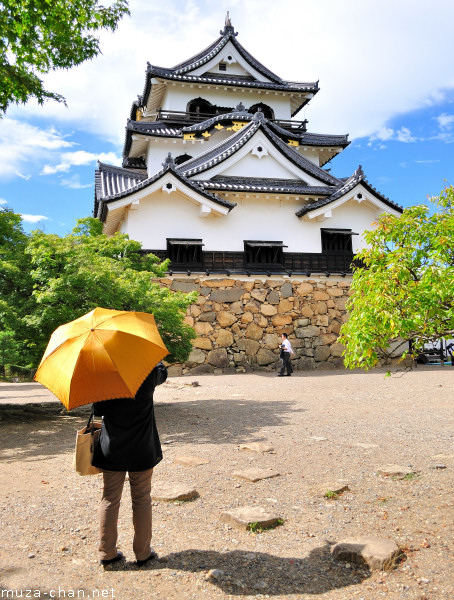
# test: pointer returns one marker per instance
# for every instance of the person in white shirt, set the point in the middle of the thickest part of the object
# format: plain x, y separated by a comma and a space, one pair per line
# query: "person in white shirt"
286, 352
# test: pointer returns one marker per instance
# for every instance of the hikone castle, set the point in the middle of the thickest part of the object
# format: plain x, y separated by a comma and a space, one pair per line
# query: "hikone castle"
219, 177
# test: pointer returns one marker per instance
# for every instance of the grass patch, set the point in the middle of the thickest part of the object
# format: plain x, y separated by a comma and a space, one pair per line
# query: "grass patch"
332, 495
257, 528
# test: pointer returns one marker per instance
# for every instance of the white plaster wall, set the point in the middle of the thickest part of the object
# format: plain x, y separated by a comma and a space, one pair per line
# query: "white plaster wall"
355, 216
253, 166
232, 69
158, 148
178, 96
165, 215
236, 65
311, 154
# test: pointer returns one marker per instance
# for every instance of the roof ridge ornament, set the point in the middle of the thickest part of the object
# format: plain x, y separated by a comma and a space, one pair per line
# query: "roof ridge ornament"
259, 117
360, 172
169, 161
240, 107
228, 27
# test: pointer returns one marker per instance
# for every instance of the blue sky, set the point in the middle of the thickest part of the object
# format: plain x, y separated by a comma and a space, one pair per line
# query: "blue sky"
386, 78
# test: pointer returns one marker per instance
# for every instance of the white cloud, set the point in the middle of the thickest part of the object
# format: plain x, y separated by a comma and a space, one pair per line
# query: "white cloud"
383, 134
34, 218
364, 82
22, 176
445, 121
79, 158
404, 135
387, 134
427, 162
74, 183
3, 201
25, 144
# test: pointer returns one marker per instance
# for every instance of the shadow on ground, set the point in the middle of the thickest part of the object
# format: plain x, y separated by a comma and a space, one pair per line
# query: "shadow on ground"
245, 573
220, 421
31, 431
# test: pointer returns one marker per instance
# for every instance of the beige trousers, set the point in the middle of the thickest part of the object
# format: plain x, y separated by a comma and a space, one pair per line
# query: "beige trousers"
140, 483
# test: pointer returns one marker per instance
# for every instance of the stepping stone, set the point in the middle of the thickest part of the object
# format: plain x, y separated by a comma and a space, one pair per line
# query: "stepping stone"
320, 490
396, 471
169, 492
244, 516
377, 553
190, 461
257, 447
255, 474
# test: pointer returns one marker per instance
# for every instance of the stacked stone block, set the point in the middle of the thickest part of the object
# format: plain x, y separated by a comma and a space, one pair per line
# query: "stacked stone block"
239, 323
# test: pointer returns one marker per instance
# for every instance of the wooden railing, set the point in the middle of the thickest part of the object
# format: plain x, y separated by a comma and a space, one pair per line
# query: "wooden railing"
190, 118
235, 262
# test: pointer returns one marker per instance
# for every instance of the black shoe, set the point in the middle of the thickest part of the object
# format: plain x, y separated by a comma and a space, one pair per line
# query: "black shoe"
141, 563
280, 375
111, 561
288, 375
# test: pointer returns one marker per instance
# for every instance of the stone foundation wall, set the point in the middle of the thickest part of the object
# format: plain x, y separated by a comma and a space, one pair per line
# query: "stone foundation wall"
239, 323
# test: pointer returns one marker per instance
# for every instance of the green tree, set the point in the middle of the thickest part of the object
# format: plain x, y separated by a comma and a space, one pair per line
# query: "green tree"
16, 287
69, 276
405, 290
38, 36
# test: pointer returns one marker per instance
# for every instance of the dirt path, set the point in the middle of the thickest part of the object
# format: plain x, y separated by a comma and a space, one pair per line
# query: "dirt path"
327, 427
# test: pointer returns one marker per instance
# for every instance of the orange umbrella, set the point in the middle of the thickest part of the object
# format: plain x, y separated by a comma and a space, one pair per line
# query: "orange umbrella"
103, 355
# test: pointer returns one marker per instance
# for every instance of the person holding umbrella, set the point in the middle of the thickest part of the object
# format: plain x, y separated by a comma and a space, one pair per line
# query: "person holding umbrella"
129, 442
105, 358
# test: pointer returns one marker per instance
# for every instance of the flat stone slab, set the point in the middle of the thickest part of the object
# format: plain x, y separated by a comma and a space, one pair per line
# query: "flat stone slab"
255, 474
322, 489
244, 516
395, 471
257, 447
190, 461
377, 553
168, 492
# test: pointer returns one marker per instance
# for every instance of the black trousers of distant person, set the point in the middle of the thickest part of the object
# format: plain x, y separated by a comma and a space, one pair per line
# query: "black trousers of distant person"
286, 364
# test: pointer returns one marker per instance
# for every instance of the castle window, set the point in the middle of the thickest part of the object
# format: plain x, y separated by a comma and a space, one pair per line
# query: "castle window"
337, 240
201, 106
263, 254
182, 158
223, 66
267, 111
185, 252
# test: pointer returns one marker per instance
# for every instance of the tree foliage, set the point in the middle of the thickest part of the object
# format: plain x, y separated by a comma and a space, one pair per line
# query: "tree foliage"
53, 280
38, 36
405, 290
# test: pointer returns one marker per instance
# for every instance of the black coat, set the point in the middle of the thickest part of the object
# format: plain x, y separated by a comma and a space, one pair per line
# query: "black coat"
129, 439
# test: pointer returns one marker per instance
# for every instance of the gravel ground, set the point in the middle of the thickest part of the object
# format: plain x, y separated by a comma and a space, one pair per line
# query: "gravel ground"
324, 427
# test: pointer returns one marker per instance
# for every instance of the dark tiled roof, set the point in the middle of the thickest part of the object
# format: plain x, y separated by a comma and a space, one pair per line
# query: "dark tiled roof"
113, 180
113, 183
182, 72
310, 139
259, 184
230, 80
222, 151
206, 55
153, 128
235, 115
134, 163
347, 185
